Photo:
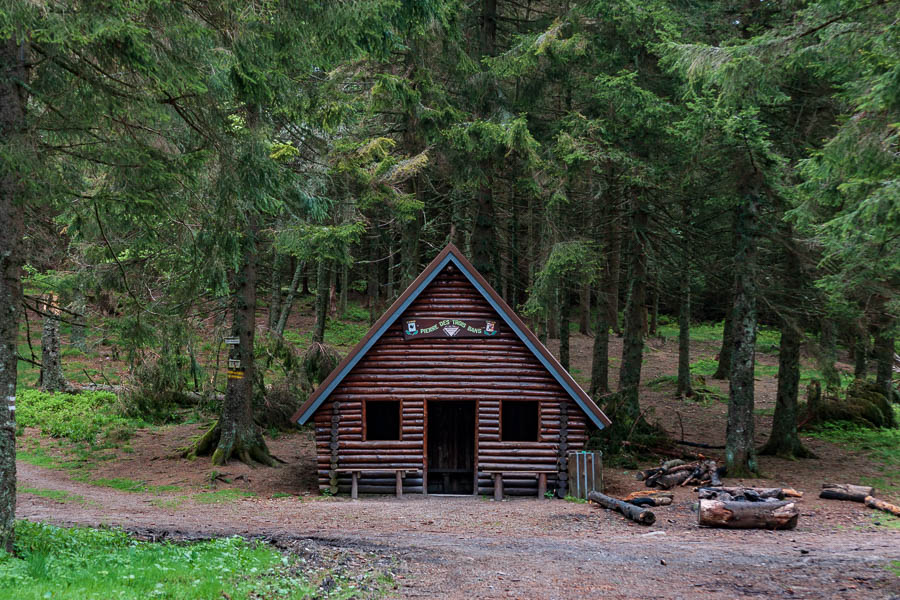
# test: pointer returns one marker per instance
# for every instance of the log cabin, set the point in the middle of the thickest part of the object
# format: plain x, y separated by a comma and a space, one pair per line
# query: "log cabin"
449, 393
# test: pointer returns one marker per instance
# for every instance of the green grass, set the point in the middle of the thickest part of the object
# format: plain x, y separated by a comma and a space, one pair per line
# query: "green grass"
97, 564
882, 446
60, 496
84, 417
222, 496
129, 485
282, 495
894, 567
575, 500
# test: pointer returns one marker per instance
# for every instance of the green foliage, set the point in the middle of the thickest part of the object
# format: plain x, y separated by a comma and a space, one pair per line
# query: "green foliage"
96, 564
84, 417
60, 496
882, 445
569, 264
574, 500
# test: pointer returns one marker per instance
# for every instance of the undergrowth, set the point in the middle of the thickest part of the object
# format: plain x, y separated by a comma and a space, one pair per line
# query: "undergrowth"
88, 564
882, 445
85, 417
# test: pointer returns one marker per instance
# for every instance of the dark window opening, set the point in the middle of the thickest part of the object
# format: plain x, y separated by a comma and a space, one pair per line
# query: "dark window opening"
383, 420
520, 421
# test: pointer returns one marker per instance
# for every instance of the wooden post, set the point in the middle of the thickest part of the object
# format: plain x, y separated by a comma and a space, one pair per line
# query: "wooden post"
424, 482
542, 485
354, 485
498, 486
399, 484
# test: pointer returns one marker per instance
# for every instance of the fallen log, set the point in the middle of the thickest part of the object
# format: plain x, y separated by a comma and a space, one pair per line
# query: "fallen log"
670, 480
629, 511
882, 505
648, 493
699, 445
748, 515
650, 501
792, 493
747, 493
845, 491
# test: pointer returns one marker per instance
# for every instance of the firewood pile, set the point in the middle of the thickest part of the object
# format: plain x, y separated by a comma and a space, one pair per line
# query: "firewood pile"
679, 473
746, 494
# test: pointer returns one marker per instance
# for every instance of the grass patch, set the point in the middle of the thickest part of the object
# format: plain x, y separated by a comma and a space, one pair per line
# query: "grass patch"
222, 496
575, 500
124, 484
282, 495
168, 503
83, 417
894, 567
60, 496
94, 564
881, 445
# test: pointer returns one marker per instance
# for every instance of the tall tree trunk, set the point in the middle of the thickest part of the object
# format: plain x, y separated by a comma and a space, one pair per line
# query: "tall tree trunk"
684, 387
884, 361
52, 377
861, 353
600, 353
78, 337
633, 344
584, 312
564, 311
275, 289
236, 435
322, 285
723, 369
614, 262
783, 440
827, 357
654, 307
12, 126
740, 455
372, 287
288, 302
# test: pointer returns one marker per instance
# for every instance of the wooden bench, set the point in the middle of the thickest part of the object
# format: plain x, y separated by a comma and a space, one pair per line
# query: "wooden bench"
355, 472
498, 480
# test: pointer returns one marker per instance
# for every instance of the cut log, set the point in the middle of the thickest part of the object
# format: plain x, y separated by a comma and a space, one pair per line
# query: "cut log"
629, 511
792, 493
668, 481
650, 501
845, 491
882, 505
648, 493
748, 515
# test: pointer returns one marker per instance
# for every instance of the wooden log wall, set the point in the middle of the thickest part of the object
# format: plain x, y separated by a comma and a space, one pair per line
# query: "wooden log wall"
486, 370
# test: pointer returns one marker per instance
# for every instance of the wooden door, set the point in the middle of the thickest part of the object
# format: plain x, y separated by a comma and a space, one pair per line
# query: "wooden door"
451, 447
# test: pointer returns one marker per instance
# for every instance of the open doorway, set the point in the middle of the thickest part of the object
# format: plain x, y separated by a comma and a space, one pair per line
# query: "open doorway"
451, 447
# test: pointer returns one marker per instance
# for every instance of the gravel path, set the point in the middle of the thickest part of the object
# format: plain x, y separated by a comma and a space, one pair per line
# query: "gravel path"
474, 548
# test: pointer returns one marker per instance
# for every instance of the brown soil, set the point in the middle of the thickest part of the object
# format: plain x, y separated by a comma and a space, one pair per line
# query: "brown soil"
522, 548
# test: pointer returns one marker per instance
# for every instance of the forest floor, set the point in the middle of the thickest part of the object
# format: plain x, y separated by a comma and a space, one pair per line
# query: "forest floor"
520, 548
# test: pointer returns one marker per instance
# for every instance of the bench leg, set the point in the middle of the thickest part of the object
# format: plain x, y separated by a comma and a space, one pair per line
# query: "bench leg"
542, 485
498, 487
399, 484
354, 485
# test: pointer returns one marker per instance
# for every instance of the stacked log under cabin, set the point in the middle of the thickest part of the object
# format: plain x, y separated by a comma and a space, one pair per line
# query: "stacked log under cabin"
448, 413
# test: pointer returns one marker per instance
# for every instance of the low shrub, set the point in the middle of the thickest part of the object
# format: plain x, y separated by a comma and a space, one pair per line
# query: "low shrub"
84, 417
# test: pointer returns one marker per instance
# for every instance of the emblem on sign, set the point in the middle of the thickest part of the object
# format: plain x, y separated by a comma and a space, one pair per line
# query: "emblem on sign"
490, 327
411, 328
451, 330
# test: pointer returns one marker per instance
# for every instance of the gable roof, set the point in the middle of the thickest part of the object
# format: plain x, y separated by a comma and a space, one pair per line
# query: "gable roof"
448, 255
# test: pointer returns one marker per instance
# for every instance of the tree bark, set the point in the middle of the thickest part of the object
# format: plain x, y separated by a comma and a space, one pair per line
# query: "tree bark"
861, 353
740, 455
78, 337
288, 302
236, 435
783, 440
748, 515
633, 344
564, 309
322, 281
846, 491
884, 362
52, 377
629, 511
275, 289
723, 369
12, 126
827, 356
600, 353
613, 261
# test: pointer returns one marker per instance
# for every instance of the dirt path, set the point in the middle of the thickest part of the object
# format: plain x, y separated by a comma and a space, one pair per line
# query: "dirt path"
474, 548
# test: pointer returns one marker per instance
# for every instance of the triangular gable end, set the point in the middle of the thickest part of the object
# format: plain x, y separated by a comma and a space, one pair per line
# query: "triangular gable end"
448, 255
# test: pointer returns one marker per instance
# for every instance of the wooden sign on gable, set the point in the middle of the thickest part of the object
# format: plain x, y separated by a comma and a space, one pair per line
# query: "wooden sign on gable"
448, 327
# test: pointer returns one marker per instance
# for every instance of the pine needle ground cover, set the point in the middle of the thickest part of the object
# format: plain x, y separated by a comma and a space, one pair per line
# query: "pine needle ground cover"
98, 564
